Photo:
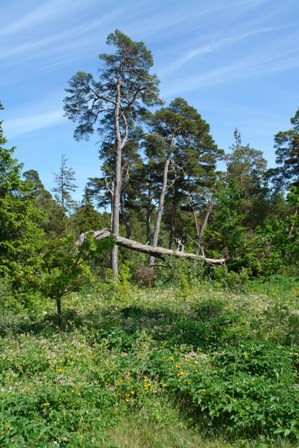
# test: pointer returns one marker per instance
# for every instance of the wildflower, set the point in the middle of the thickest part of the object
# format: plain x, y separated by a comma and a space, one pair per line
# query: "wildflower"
171, 358
164, 385
147, 386
46, 404
60, 370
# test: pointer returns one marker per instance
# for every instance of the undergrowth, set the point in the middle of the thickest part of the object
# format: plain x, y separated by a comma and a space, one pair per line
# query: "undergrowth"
160, 367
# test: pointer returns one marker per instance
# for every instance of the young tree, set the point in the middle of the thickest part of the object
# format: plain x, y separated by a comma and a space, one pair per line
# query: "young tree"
112, 104
65, 184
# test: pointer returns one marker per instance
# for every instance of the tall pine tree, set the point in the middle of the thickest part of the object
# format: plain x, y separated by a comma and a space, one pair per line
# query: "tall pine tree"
112, 104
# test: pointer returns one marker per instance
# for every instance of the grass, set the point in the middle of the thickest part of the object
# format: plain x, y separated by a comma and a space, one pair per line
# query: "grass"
158, 367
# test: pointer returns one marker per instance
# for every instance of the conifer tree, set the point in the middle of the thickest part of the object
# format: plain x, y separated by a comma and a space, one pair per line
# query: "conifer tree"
20, 234
65, 185
287, 155
112, 104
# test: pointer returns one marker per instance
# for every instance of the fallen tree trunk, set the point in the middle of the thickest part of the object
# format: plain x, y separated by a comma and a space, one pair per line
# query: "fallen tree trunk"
150, 250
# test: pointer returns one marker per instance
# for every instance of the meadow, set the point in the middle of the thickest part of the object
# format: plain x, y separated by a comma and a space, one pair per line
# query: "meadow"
192, 364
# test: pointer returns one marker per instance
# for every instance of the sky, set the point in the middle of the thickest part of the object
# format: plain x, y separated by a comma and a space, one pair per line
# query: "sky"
235, 61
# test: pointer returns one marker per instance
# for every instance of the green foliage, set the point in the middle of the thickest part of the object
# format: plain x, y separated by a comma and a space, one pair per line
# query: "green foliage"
65, 185
235, 281
200, 364
118, 289
20, 234
251, 390
65, 268
287, 155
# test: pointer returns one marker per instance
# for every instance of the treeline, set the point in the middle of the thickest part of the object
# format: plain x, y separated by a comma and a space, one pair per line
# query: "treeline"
160, 185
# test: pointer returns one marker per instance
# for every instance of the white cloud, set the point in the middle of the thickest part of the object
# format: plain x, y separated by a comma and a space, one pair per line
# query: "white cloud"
246, 67
49, 11
211, 47
25, 124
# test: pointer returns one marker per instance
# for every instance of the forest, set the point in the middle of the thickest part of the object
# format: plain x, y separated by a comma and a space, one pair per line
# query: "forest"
162, 309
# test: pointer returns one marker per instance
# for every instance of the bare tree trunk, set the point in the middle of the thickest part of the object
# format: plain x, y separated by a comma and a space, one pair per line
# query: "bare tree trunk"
115, 215
160, 207
148, 212
172, 219
119, 143
115, 210
205, 221
147, 249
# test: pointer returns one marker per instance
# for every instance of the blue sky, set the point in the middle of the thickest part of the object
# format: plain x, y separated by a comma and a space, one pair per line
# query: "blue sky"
235, 61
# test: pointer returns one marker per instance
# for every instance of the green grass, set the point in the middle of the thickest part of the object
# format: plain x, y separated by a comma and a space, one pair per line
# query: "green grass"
152, 368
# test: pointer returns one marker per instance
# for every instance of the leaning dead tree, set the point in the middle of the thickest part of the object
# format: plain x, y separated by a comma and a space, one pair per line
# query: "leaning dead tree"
158, 252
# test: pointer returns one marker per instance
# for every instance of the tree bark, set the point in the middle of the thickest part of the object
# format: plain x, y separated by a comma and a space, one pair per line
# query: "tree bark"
172, 218
158, 252
59, 311
149, 211
119, 144
160, 208
205, 221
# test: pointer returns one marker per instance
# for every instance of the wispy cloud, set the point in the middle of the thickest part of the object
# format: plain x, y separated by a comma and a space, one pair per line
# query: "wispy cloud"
25, 124
249, 66
211, 47
72, 38
36, 16
49, 11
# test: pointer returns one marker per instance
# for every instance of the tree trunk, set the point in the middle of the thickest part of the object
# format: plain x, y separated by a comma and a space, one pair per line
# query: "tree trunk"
160, 207
117, 179
205, 221
59, 311
172, 218
148, 212
150, 250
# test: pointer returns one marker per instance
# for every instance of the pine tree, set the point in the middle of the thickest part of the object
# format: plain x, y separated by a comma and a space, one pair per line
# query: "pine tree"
287, 155
112, 105
65, 185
